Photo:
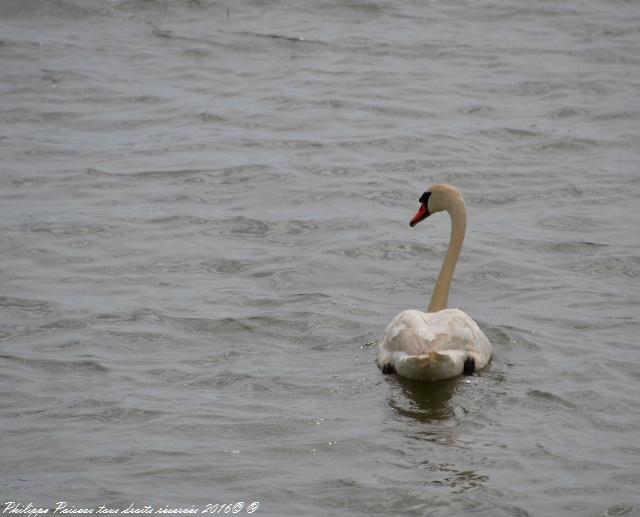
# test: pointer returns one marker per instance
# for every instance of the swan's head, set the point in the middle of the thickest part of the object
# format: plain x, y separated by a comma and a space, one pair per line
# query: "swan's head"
436, 199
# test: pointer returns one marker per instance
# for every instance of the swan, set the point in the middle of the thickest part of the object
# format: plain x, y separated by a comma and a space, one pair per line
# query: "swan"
440, 343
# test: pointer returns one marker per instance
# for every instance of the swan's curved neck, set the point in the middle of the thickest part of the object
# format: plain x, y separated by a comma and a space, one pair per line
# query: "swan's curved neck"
440, 295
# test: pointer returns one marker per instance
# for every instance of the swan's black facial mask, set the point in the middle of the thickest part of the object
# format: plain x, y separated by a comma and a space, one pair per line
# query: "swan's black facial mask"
423, 211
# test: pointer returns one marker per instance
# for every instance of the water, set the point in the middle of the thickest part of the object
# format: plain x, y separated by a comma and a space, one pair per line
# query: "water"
204, 231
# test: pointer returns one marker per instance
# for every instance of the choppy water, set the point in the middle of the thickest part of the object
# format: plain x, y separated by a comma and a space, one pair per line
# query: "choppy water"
203, 232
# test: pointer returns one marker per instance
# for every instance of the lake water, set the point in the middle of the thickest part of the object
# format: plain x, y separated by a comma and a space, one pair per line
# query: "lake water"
204, 231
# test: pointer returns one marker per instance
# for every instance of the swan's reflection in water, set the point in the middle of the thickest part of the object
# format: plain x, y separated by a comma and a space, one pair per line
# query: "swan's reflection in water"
432, 406
425, 401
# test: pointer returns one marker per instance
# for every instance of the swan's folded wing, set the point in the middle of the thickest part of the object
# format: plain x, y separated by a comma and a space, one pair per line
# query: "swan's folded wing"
412, 332
463, 334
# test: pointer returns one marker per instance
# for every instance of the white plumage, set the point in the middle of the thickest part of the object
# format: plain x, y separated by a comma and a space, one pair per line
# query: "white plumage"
433, 345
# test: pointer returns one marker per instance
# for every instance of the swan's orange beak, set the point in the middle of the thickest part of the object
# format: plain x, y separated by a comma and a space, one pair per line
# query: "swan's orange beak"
421, 214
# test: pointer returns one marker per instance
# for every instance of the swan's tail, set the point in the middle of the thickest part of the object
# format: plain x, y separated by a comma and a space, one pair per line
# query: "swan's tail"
432, 366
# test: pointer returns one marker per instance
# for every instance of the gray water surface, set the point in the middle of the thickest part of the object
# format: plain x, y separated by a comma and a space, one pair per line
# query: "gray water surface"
204, 231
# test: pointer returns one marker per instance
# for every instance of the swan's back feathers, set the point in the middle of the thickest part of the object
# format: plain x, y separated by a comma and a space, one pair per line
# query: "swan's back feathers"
433, 345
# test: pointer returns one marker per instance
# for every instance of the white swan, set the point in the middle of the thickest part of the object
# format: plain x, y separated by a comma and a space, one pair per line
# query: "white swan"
440, 343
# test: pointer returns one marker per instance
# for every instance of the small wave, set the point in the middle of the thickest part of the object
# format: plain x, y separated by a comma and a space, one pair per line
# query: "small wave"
545, 396
87, 366
508, 132
569, 112
64, 9
65, 324
284, 233
477, 109
385, 250
72, 229
278, 37
117, 414
568, 144
620, 266
23, 304
568, 222
226, 175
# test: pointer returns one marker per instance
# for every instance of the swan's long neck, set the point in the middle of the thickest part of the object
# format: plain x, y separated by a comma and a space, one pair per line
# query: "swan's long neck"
440, 295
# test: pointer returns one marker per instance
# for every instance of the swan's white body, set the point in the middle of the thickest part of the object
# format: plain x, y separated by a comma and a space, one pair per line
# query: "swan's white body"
433, 345
441, 343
